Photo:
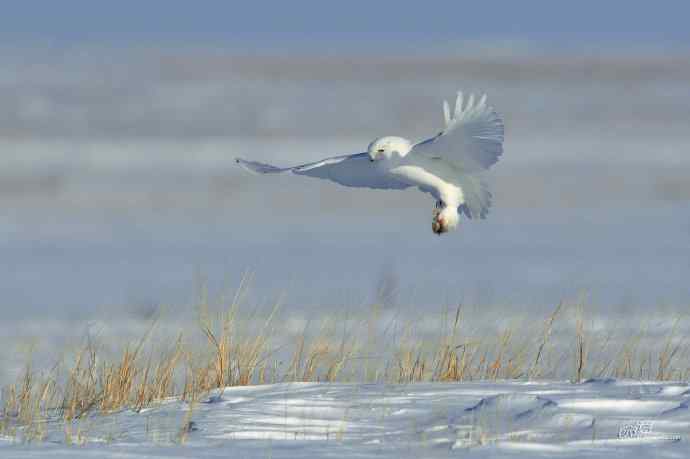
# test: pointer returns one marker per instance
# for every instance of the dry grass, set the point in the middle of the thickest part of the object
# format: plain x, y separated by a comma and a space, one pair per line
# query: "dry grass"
546, 335
581, 345
255, 351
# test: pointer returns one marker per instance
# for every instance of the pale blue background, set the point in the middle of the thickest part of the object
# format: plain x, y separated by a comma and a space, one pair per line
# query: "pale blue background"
354, 24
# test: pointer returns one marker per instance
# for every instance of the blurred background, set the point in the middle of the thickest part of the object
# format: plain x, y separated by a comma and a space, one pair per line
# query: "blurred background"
119, 124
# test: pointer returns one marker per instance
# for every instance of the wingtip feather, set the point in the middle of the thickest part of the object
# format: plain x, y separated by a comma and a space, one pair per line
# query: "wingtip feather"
458, 104
470, 102
257, 167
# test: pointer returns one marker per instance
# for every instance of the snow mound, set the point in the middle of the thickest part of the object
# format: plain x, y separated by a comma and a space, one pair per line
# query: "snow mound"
516, 406
480, 419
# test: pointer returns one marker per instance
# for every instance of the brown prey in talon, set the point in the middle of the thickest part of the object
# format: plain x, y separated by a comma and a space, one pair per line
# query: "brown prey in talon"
438, 222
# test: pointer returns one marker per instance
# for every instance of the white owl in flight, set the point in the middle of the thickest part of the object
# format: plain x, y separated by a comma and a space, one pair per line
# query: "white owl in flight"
449, 165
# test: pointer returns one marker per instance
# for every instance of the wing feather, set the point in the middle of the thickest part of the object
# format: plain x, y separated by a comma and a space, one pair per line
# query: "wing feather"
348, 170
446, 113
472, 139
458, 105
477, 196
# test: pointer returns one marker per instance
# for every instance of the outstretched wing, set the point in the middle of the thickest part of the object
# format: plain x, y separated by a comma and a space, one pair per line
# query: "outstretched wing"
472, 138
348, 170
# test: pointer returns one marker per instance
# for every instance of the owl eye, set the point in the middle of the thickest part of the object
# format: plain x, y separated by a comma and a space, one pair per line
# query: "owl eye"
380, 150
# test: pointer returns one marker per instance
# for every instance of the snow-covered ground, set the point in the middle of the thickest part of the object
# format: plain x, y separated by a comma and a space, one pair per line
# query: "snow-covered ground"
598, 418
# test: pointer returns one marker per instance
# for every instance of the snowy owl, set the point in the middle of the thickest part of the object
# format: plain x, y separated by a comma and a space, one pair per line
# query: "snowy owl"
448, 166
